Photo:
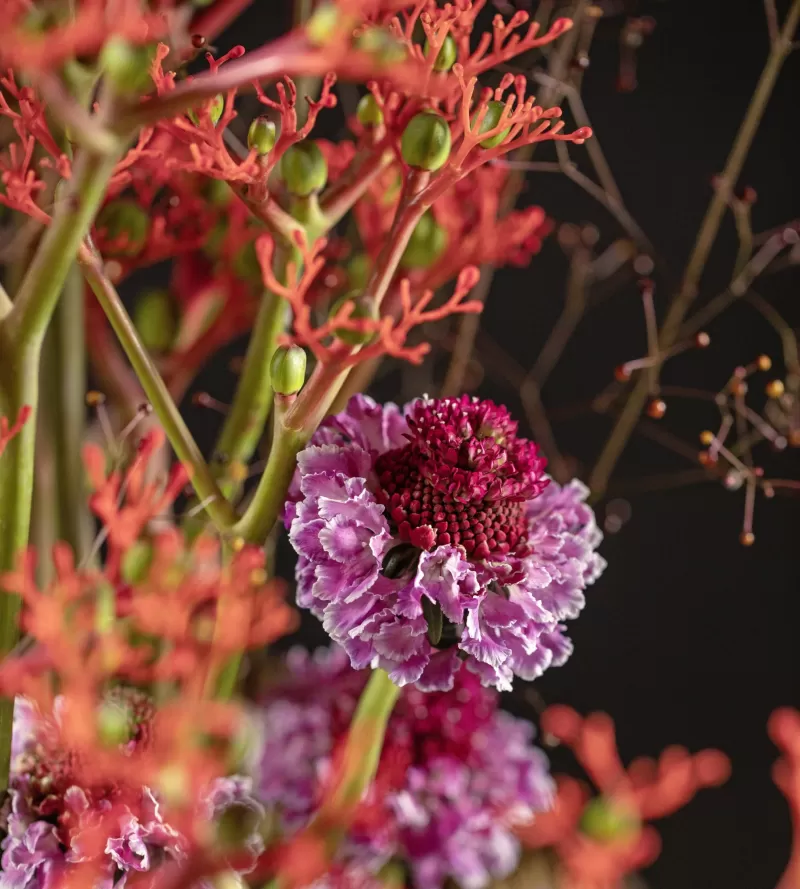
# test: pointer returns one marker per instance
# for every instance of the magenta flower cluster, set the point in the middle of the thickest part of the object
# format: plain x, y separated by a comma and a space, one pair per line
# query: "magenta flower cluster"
430, 536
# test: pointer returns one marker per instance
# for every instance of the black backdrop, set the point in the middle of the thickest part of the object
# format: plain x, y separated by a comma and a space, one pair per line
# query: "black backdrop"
689, 637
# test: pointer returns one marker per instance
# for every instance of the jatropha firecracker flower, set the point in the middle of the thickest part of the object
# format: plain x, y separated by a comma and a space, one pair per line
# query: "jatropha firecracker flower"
430, 536
455, 776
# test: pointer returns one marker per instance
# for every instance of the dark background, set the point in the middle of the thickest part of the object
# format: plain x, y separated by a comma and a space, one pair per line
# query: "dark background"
689, 637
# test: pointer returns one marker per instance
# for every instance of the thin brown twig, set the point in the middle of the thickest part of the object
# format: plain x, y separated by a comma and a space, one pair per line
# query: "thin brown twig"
627, 420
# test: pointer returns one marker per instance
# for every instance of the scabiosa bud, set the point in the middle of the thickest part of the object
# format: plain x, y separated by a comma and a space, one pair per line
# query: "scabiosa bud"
368, 112
425, 143
127, 66
446, 56
455, 774
494, 111
155, 318
304, 169
125, 227
215, 109
503, 552
262, 135
426, 244
288, 370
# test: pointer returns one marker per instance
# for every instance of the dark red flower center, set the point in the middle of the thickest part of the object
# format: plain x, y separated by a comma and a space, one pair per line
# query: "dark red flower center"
463, 479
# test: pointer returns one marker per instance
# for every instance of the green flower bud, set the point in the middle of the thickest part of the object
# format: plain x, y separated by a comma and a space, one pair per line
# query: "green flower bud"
368, 112
127, 66
126, 224
218, 192
446, 56
605, 820
364, 308
426, 244
215, 110
155, 317
382, 44
113, 723
425, 143
358, 271
322, 23
287, 370
494, 111
136, 562
304, 169
262, 135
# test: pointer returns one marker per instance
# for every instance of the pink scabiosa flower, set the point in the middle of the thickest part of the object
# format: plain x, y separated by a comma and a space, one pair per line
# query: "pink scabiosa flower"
430, 536
456, 774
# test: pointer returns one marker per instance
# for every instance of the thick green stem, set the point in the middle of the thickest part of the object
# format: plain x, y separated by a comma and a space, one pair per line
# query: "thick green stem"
176, 430
244, 424
706, 237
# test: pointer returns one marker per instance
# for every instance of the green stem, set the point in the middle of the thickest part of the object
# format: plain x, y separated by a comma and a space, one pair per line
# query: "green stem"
244, 424
69, 348
218, 508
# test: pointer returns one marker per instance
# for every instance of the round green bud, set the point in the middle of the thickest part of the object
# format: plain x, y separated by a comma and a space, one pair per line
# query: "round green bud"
425, 143
446, 56
155, 317
113, 723
136, 562
217, 192
215, 109
358, 271
369, 113
287, 370
605, 821
426, 244
380, 43
364, 308
127, 66
126, 224
322, 23
262, 135
494, 111
304, 169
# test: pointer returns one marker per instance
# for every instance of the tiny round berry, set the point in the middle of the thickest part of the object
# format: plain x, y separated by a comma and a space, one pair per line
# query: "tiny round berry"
127, 66
198, 41
446, 56
747, 538
426, 244
622, 374
155, 318
364, 309
494, 112
304, 169
775, 389
657, 408
383, 45
702, 340
369, 112
764, 362
426, 140
262, 135
705, 459
215, 108
288, 370
706, 437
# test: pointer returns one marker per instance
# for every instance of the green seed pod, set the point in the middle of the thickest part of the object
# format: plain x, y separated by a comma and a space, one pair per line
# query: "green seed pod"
126, 224
113, 723
304, 169
322, 23
606, 821
215, 110
358, 271
494, 111
127, 66
287, 370
262, 135
446, 56
425, 143
218, 192
368, 112
426, 244
136, 562
156, 319
363, 308
382, 44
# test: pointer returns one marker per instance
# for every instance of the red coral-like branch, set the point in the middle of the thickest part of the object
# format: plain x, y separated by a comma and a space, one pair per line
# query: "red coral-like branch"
7, 432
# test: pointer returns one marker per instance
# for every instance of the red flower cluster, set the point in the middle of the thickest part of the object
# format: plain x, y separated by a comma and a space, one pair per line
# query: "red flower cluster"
601, 839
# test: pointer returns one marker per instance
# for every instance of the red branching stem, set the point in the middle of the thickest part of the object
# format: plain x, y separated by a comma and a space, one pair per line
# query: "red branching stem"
353, 184
7, 432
